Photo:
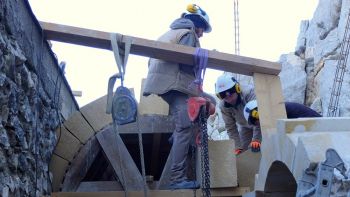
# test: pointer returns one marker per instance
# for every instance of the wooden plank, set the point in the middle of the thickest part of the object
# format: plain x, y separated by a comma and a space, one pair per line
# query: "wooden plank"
158, 193
77, 93
95, 113
98, 186
268, 92
80, 165
120, 159
230, 191
58, 167
239, 191
149, 124
78, 126
160, 50
68, 145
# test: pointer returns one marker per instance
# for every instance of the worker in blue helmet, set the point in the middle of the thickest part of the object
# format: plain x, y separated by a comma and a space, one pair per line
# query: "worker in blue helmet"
172, 82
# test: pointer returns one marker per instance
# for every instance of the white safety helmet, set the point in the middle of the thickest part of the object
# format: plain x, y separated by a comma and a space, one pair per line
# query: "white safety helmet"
226, 82
197, 14
251, 111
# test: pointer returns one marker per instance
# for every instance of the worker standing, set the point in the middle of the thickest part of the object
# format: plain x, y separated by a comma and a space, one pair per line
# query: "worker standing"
233, 99
173, 82
293, 110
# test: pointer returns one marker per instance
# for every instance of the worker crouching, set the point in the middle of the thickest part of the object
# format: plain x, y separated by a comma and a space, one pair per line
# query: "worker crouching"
233, 99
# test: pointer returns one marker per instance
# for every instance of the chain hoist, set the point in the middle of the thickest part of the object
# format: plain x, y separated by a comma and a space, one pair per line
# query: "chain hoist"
122, 104
205, 170
199, 109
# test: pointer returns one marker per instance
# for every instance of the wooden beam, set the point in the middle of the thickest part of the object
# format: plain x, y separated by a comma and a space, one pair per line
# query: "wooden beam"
80, 165
98, 186
149, 124
120, 159
159, 50
232, 192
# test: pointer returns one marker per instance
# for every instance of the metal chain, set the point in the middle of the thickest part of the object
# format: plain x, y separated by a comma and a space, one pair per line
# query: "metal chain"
204, 153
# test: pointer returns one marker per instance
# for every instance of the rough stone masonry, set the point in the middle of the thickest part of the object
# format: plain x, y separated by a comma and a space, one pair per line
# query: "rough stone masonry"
31, 102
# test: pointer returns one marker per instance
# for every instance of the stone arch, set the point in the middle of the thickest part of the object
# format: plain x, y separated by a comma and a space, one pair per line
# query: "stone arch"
86, 136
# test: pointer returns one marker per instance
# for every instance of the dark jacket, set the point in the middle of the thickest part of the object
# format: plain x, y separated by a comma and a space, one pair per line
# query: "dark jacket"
296, 110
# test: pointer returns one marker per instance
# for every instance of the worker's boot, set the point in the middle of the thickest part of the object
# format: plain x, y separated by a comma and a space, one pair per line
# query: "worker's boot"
185, 185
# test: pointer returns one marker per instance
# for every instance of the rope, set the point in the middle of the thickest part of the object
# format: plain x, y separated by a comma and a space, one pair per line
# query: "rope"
145, 192
121, 61
201, 61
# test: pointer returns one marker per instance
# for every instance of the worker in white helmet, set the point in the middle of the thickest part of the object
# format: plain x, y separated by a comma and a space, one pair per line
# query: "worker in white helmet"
233, 99
293, 110
172, 82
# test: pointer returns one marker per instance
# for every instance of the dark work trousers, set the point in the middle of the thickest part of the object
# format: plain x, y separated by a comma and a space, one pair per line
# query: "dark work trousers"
182, 135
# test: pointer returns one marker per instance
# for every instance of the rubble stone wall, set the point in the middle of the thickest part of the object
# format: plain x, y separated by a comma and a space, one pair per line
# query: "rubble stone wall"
34, 99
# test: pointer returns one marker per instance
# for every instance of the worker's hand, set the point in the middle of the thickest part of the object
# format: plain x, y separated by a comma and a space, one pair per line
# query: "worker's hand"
255, 145
238, 151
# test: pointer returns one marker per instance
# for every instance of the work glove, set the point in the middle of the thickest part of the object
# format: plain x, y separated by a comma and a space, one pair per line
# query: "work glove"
238, 151
255, 145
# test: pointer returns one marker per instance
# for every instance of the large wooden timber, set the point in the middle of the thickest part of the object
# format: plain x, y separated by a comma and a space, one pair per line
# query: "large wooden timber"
80, 165
232, 192
160, 50
120, 159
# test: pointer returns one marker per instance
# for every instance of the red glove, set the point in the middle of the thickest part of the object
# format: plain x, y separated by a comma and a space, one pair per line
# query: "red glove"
238, 151
255, 145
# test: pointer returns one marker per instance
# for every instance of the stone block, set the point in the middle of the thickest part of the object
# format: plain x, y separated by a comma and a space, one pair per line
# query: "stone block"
79, 127
67, 145
152, 104
58, 168
323, 124
95, 113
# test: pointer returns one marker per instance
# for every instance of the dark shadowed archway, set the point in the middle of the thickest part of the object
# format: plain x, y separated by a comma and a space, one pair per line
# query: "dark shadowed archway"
280, 181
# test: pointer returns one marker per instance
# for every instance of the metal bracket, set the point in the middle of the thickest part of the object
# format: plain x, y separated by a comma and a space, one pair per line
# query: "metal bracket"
317, 178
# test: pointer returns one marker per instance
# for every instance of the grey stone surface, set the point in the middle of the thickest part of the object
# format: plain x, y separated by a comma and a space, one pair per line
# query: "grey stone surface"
32, 90
318, 45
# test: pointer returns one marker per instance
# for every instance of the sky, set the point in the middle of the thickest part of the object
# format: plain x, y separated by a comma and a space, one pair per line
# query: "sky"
268, 29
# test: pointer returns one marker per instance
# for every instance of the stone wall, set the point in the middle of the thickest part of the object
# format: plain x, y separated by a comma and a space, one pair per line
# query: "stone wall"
34, 99
308, 73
